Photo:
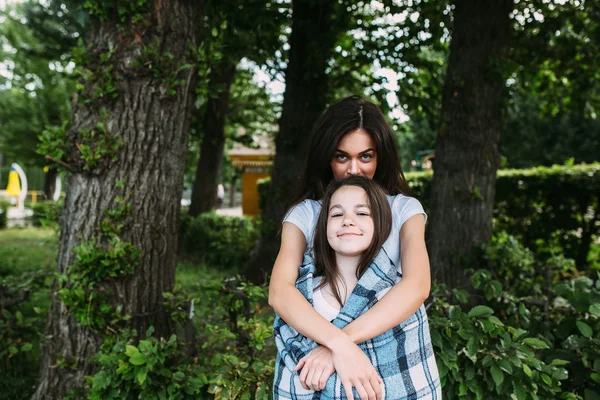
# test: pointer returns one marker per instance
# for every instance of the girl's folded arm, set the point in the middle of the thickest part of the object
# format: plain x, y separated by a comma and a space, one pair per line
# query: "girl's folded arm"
405, 298
287, 301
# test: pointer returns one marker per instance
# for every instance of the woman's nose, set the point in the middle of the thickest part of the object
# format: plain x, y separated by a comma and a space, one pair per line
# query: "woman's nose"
354, 168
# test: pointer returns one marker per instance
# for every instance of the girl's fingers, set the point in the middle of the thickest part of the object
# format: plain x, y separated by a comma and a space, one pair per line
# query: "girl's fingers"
300, 363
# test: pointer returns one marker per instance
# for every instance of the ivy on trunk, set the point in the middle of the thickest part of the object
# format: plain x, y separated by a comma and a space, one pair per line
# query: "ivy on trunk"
126, 152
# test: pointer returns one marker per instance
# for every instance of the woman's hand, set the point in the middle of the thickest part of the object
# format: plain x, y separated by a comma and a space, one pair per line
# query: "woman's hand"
317, 367
355, 370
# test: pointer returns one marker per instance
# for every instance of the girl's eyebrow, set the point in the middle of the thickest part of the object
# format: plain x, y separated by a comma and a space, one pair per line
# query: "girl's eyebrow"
335, 206
356, 206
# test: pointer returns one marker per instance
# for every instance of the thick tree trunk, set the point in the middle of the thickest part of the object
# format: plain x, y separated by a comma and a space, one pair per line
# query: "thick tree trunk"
150, 116
208, 171
466, 153
316, 25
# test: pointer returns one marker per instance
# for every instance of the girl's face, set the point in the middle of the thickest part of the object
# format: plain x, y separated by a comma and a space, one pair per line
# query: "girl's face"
355, 155
349, 222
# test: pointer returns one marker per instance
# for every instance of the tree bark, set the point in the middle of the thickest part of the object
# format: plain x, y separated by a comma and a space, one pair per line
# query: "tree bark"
208, 170
466, 153
150, 116
316, 25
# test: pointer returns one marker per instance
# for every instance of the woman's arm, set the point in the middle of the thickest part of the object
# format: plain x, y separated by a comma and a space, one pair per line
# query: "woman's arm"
405, 298
287, 301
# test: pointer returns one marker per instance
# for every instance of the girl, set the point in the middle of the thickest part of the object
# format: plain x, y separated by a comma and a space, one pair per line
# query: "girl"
345, 279
351, 138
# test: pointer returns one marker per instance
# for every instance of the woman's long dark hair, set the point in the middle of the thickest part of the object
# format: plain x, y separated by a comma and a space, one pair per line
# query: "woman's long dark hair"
325, 260
341, 118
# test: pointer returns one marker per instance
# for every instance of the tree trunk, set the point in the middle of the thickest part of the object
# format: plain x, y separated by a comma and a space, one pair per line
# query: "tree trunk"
50, 183
208, 171
316, 25
466, 153
148, 112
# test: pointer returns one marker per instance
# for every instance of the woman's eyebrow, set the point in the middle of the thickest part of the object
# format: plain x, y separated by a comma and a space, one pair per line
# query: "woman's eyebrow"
362, 152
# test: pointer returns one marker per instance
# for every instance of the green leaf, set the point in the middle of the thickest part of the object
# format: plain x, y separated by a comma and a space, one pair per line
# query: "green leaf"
557, 362
101, 380
590, 395
595, 309
527, 370
480, 312
595, 377
27, 347
536, 343
519, 391
137, 359
546, 379
585, 329
497, 374
141, 375
131, 350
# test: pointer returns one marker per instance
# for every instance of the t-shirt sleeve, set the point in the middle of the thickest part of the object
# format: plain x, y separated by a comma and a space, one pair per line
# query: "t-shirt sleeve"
406, 209
301, 215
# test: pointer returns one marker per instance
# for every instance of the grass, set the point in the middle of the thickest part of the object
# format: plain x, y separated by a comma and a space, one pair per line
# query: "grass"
27, 249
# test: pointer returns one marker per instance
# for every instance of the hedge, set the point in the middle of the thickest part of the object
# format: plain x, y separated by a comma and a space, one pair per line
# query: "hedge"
220, 241
544, 207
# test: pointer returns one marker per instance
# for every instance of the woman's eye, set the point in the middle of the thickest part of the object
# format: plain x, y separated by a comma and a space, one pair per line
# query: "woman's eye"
363, 214
341, 157
366, 157
336, 215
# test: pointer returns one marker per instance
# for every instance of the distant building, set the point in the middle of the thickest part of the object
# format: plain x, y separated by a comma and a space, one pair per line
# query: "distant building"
256, 164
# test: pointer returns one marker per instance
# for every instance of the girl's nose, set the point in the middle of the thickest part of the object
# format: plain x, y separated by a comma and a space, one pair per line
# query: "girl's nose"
348, 221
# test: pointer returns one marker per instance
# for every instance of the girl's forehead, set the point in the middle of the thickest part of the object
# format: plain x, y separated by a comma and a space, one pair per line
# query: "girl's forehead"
349, 194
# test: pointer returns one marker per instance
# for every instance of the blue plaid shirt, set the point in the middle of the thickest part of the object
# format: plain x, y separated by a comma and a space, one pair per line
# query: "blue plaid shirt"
402, 356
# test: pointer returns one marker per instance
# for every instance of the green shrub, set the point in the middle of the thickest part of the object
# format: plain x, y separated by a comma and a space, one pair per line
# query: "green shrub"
4, 204
150, 368
549, 209
24, 304
46, 213
220, 241
263, 191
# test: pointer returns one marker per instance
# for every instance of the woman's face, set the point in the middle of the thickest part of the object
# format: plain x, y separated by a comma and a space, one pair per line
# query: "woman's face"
349, 222
355, 155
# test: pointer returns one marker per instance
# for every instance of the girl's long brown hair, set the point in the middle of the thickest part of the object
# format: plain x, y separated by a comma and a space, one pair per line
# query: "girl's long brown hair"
325, 260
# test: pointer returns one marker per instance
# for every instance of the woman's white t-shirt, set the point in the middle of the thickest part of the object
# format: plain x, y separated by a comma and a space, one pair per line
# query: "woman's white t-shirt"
305, 214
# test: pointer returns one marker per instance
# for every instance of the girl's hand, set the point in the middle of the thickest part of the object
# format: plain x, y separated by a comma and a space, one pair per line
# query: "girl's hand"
355, 371
317, 367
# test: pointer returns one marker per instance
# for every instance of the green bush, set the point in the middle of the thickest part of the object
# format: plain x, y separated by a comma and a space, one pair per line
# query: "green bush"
4, 204
46, 213
263, 191
23, 303
228, 354
549, 209
220, 241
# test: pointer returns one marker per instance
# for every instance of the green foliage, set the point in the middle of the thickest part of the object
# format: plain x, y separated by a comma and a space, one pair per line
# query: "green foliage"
4, 204
125, 11
480, 356
46, 213
151, 368
531, 204
234, 326
24, 302
94, 148
85, 286
221, 241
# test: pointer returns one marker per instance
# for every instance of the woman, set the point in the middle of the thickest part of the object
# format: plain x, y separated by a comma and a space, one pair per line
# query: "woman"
351, 138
